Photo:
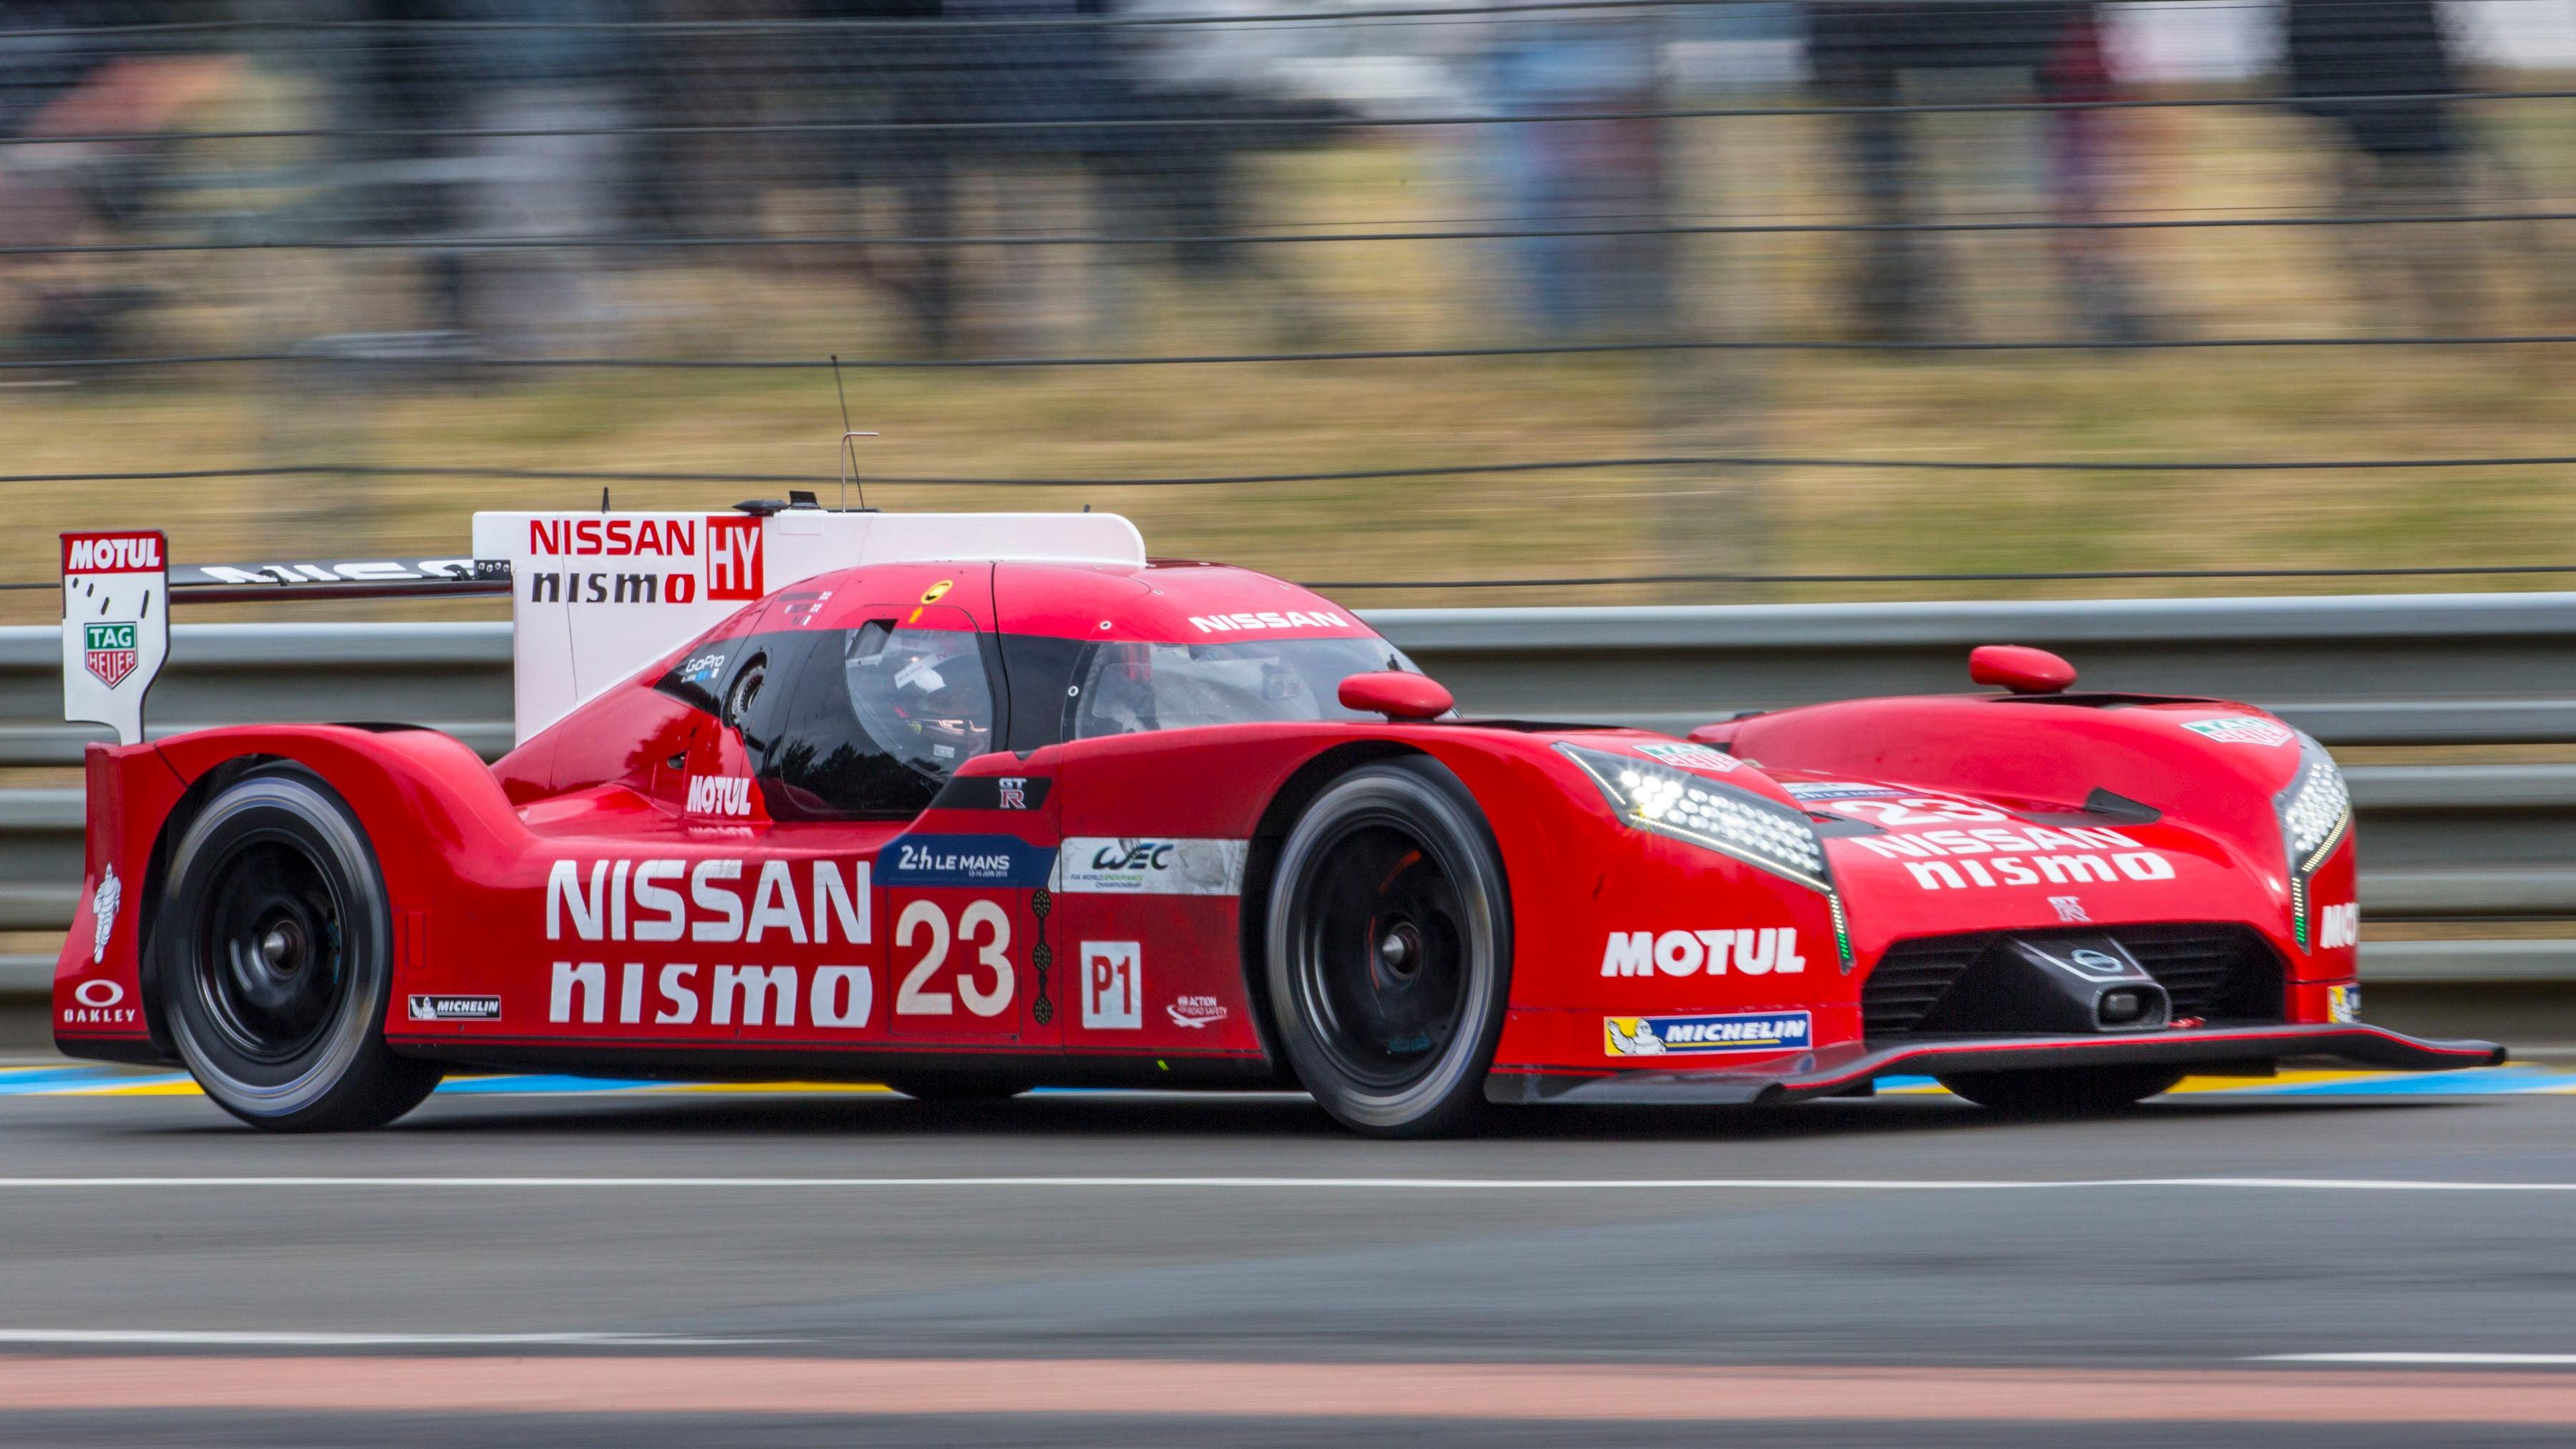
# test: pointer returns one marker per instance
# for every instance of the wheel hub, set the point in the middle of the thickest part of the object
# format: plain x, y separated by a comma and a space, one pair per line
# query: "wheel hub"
1385, 974
273, 968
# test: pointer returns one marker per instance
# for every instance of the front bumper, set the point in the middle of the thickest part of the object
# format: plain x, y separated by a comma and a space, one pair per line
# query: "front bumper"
1841, 1069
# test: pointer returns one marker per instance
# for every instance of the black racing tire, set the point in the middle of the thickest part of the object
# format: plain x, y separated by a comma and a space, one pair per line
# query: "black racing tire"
273, 945
1388, 950
958, 1091
2063, 1091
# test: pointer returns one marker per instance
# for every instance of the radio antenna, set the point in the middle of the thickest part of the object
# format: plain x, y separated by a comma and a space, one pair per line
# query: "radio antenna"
849, 452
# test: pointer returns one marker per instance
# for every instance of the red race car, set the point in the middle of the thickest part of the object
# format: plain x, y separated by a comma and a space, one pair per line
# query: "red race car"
973, 803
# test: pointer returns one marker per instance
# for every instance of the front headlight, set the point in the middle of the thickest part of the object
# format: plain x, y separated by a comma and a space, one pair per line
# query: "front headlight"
2316, 816
1710, 813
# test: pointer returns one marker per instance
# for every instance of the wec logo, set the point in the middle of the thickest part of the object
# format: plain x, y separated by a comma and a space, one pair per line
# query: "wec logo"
1134, 855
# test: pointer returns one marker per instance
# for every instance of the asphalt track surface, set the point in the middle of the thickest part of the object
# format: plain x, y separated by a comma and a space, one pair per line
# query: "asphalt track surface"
625, 1268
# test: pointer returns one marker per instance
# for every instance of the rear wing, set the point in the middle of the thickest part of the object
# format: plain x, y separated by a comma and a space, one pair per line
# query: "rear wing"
595, 595
118, 588
116, 626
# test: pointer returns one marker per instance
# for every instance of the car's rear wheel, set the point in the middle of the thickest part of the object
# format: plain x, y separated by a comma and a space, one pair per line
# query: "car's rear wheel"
1388, 957
273, 947
2063, 1091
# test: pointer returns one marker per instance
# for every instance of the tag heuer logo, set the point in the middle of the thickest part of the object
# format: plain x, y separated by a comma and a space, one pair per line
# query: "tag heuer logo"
112, 655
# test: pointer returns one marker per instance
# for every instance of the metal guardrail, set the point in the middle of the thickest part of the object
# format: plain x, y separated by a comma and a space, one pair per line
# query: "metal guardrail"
2442, 842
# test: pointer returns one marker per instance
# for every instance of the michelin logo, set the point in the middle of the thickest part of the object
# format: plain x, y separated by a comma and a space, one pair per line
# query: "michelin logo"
1658, 1036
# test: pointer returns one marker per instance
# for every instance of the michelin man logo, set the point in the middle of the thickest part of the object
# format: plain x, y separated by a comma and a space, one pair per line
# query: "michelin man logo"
1633, 1037
102, 906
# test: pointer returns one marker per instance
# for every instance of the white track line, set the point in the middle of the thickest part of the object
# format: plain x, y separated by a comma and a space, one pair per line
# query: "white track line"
1325, 1184
218, 1338
2560, 1360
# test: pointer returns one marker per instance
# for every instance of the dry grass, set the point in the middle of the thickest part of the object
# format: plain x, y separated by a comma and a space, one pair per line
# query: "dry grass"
2183, 405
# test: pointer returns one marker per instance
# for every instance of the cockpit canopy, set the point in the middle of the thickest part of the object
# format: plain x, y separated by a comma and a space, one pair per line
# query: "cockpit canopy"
858, 694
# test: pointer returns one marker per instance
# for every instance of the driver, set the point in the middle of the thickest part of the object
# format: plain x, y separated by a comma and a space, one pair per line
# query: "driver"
932, 685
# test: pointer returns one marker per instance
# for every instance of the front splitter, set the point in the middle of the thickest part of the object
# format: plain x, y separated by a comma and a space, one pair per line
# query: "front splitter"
1841, 1069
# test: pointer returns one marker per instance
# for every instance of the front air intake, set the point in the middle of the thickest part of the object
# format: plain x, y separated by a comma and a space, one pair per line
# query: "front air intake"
2214, 972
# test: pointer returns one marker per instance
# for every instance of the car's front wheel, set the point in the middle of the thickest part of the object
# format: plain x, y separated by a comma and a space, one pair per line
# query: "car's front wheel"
2063, 1091
1388, 956
273, 945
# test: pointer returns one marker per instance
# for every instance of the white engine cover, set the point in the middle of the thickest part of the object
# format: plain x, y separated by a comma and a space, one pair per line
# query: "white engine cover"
597, 596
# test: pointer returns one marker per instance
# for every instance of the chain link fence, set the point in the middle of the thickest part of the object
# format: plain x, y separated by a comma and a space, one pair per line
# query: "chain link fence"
1710, 256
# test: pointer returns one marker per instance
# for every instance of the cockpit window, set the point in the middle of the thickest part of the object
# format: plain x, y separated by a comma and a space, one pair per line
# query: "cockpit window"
1132, 688
880, 717
921, 693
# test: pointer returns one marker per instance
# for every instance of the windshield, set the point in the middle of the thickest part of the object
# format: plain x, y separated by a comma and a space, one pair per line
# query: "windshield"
1133, 688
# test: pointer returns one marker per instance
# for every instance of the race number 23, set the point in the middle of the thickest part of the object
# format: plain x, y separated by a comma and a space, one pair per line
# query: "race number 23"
982, 928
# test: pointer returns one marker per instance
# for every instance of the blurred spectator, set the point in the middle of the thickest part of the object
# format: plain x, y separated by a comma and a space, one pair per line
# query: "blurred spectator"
2082, 165
484, 119
2381, 72
63, 75
544, 87
1862, 52
1581, 175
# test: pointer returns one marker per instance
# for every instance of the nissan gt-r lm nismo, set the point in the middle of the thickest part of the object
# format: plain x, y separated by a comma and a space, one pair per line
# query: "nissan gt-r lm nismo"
969, 804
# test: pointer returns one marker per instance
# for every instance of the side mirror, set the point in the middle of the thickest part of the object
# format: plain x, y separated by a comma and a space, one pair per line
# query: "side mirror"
1396, 695
2019, 669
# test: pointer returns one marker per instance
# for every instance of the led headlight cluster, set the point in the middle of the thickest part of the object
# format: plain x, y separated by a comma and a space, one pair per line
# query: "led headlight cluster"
1754, 829
2316, 816
2317, 810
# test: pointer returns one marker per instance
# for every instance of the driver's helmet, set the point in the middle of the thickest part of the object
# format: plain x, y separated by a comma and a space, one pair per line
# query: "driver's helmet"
934, 687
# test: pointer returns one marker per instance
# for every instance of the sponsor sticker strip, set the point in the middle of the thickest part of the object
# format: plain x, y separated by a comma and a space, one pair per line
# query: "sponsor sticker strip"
1745, 1031
1137, 866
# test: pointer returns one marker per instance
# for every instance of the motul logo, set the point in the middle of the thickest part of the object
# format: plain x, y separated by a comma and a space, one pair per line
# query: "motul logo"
719, 795
733, 559
112, 553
